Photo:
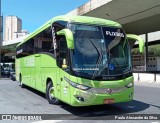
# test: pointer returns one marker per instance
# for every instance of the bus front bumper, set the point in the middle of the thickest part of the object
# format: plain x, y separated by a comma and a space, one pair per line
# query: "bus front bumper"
101, 96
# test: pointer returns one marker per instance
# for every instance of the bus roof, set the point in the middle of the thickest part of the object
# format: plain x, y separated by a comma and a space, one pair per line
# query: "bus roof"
78, 19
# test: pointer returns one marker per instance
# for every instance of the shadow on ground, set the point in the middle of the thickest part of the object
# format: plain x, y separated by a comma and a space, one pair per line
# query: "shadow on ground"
100, 111
106, 110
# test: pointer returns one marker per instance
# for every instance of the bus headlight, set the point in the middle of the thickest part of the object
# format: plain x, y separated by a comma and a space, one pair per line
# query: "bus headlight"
79, 86
129, 85
83, 87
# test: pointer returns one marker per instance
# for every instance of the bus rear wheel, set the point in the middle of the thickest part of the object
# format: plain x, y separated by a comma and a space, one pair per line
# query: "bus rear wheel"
50, 91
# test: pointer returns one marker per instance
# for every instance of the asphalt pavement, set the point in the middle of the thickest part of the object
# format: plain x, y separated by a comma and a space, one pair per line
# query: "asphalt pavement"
17, 100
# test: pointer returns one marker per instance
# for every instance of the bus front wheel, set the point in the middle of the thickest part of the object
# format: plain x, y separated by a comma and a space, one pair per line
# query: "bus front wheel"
50, 91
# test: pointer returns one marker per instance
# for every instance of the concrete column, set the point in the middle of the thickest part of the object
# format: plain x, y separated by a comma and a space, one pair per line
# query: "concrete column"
146, 51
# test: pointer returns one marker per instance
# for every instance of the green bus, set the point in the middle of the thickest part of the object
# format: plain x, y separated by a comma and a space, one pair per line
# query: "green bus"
78, 60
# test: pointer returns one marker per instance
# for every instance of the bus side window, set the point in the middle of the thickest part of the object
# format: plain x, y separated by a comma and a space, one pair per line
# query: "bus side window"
46, 45
57, 26
30, 47
45, 41
26, 49
62, 52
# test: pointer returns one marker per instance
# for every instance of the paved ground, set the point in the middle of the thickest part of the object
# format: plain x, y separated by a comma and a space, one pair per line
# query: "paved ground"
15, 100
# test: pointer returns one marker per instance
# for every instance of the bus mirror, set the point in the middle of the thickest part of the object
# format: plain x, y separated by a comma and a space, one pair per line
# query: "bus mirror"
64, 65
69, 37
133, 38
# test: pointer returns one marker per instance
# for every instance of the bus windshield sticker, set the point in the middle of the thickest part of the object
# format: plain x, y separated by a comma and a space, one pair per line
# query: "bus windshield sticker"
115, 34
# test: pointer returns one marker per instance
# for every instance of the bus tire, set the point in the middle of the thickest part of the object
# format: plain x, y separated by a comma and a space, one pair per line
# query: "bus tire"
50, 94
20, 80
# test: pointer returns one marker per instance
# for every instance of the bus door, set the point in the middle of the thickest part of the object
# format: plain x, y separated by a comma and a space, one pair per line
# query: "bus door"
62, 55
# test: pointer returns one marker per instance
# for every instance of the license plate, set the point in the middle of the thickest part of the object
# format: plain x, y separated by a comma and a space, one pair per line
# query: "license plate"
108, 101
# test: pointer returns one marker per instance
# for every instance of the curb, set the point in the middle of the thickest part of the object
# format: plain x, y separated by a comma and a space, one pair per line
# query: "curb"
147, 84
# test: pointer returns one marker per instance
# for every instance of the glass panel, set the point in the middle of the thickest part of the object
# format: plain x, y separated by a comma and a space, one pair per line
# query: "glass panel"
100, 51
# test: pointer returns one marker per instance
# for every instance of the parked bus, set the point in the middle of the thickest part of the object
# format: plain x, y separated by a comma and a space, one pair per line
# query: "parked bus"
78, 60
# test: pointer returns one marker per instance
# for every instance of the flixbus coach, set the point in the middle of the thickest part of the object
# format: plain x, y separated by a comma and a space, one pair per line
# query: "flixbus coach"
78, 60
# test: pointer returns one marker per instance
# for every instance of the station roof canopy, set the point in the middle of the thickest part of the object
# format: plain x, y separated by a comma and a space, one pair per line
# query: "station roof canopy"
10, 46
136, 16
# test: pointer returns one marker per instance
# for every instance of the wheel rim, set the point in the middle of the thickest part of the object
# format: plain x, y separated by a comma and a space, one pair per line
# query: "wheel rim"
51, 93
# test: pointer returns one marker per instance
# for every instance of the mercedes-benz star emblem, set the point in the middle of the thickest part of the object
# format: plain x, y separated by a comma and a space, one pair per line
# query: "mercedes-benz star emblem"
109, 91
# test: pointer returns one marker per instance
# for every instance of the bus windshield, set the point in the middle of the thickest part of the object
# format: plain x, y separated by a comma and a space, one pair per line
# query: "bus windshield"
100, 51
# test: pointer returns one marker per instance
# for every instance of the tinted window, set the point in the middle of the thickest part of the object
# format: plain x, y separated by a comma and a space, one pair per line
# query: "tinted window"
26, 49
42, 42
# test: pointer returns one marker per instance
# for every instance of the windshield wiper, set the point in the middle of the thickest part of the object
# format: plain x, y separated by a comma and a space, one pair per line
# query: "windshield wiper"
98, 59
